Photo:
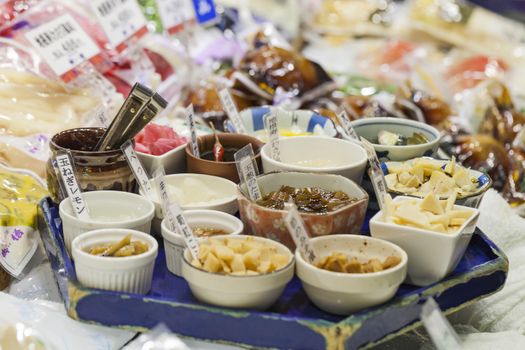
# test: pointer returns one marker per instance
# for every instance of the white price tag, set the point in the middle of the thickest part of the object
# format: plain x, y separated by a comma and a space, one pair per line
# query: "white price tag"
376, 174
190, 119
231, 110
250, 178
346, 125
138, 170
273, 136
119, 19
295, 225
185, 230
62, 43
175, 13
65, 166
439, 329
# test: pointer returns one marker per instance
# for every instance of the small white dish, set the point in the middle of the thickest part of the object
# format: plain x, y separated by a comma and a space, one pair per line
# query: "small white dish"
131, 274
370, 127
174, 243
244, 292
107, 209
226, 191
431, 255
317, 154
173, 161
343, 293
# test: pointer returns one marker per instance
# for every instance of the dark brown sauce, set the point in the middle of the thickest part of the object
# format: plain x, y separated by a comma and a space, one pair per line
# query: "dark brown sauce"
229, 152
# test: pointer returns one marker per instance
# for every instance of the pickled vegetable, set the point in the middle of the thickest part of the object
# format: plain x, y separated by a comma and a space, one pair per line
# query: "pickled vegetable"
307, 199
340, 262
207, 231
125, 247
392, 139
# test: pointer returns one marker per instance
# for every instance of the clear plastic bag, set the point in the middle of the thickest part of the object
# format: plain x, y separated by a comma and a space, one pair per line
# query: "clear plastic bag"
159, 338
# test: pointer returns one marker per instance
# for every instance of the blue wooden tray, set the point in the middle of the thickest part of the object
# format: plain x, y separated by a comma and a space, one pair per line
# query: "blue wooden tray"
292, 323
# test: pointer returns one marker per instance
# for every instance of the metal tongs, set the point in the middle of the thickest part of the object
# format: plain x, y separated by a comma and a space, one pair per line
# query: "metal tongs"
141, 106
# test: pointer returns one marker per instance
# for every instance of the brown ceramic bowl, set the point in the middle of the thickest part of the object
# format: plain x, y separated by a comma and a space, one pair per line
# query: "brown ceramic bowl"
107, 170
269, 223
226, 169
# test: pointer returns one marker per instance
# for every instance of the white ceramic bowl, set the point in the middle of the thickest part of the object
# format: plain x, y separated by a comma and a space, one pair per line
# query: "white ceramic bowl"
174, 243
227, 201
132, 274
472, 200
370, 127
314, 154
108, 209
343, 293
173, 161
246, 292
431, 255
295, 121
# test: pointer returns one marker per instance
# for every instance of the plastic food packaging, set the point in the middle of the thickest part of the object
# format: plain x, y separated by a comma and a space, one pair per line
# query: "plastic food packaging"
21, 191
159, 338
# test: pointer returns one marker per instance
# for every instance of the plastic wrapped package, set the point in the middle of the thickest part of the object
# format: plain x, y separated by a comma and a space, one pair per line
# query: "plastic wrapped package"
352, 17
159, 338
463, 24
277, 75
34, 107
20, 193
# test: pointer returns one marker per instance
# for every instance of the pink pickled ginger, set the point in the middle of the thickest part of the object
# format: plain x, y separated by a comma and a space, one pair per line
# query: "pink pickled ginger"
157, 139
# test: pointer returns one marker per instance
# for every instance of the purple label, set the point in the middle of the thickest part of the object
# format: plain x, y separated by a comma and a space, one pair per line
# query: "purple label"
5, 251
17, 234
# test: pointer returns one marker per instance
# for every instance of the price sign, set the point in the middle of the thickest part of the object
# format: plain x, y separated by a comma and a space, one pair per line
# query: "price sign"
205, 11
175, 13
250, 178
138, 170
193, 133
65, 167
376, 174
184, 230
346, 125
63, 44
173, 213
295, 225
231, 110
273, 136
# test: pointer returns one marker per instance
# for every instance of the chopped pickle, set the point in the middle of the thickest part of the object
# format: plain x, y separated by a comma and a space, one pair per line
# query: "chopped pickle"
123, 248
387, 138
307, 199
239, 257
207, 231
339, 262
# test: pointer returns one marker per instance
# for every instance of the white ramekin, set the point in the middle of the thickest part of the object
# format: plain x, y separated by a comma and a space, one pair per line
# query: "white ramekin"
174, 243
110, 204
131, 274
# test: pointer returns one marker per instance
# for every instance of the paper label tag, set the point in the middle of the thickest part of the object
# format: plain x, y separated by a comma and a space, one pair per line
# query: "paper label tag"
185, 230
175, 13
376, 174
205, 11
439, 329
17, 246
65, 167
138, 170
231, 110
295, 225
119, 19
173, 213
62, 43
190, 119
250, 178
346, 125
273, 136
